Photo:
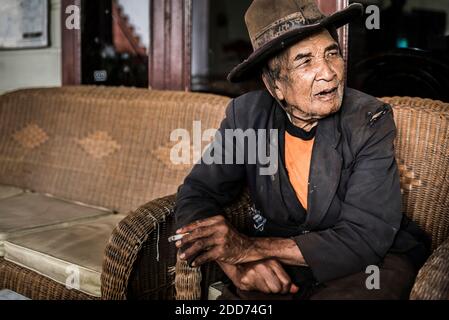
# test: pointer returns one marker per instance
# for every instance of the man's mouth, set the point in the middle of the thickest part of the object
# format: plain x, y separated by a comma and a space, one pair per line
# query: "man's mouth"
327, 94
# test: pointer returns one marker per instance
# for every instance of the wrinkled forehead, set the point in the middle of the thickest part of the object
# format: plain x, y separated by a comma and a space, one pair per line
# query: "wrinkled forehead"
317, 41
283, 58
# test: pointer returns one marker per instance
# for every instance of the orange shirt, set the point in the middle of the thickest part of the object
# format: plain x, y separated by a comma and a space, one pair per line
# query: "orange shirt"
298, 154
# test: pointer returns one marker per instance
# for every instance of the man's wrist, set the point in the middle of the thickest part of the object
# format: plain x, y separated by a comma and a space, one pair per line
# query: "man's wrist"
255, 251
260, 249
283, 249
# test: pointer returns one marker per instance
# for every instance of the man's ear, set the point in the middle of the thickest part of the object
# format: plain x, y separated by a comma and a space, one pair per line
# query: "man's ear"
273, 87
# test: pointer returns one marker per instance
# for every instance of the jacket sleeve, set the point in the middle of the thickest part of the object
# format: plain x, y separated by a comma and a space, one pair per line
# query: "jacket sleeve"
370, 213
210, 187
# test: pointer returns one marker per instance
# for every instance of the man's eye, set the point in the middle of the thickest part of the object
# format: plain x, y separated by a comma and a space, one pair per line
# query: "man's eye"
304, 62
333, 53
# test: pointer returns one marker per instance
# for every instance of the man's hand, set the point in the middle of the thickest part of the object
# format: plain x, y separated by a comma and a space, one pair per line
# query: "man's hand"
267, 276
218, 238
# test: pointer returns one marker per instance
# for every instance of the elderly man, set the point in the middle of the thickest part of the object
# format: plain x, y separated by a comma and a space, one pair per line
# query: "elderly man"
333, 206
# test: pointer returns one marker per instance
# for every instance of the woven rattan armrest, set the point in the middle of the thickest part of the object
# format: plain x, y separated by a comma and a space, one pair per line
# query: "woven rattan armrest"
432, 282
193, 283
139, 262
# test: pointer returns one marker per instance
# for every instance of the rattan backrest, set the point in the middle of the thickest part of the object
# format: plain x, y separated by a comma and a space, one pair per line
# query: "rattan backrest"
422, 153
102, 146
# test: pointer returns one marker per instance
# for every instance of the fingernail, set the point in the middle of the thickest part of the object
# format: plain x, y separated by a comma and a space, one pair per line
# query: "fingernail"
182, 256
178, 243
179, 230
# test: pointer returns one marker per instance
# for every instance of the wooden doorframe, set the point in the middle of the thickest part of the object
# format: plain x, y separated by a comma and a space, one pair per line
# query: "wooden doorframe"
170, 44
70, 48
169, 64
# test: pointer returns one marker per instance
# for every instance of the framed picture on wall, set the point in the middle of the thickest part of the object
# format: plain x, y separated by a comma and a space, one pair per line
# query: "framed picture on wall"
24, 24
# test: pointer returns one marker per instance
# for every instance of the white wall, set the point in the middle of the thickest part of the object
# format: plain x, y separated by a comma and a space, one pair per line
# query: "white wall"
34, 67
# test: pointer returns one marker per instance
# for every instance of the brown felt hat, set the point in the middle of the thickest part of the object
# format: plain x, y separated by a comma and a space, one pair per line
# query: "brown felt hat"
274, 25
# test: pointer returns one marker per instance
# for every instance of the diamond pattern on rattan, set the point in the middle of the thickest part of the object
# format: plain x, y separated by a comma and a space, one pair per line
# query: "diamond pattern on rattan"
31, 136
99, 144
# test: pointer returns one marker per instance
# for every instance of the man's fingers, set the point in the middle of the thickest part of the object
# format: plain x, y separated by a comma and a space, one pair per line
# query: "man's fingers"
194, 235
209, 255
200, 223
261, 285
273, 283
293, 289
284, 278
196, 247
268, 277
255, 281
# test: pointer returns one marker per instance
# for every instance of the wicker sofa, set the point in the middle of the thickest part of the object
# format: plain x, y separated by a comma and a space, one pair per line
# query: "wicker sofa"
74, 161
137, 266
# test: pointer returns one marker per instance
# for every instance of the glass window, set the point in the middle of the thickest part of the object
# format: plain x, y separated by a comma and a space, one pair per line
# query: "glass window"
115, 39
407, 55
219, 42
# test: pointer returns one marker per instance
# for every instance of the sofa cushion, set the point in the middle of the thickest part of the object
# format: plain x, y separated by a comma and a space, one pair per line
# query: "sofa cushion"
66, 253
30, 211
9, 191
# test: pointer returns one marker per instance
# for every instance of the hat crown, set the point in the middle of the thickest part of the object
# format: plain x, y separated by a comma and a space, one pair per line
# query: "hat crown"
267, 19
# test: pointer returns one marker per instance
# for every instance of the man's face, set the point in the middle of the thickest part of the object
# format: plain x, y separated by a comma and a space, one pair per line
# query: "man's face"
312, 77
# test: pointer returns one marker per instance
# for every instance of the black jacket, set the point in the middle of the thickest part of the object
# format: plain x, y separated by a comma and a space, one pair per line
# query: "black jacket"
354, 199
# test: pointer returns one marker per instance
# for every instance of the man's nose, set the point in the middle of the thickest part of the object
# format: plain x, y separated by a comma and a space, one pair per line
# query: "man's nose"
325, 71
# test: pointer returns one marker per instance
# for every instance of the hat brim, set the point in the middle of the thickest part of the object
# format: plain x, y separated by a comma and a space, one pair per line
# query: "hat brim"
248, 68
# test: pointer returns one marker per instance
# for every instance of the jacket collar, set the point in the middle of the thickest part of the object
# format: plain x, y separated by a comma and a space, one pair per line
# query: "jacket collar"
325, 167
